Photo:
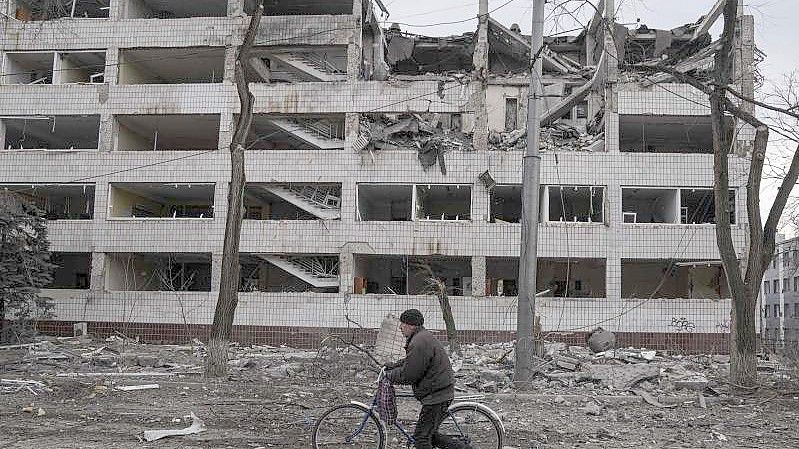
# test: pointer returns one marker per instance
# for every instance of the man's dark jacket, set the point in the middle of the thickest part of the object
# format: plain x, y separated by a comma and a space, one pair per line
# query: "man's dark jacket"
426, 368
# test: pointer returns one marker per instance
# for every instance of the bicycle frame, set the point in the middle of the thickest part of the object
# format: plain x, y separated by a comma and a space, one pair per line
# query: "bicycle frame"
373, 406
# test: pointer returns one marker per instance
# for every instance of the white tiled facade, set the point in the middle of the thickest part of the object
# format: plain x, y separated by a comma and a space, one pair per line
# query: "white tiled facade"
477, 239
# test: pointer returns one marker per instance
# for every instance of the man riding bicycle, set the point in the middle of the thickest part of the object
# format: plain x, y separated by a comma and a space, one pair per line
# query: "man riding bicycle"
426, 367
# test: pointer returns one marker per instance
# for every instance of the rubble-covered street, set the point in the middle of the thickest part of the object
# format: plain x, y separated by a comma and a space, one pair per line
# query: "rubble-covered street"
83, 393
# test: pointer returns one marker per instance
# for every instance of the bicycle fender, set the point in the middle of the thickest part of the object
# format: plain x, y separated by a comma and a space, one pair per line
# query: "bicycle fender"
484, 408
360, 404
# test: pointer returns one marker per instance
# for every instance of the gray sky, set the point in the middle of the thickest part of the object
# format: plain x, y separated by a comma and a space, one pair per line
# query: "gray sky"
776, 30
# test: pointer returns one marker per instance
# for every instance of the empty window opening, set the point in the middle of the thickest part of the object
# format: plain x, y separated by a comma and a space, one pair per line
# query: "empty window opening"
698, 206
665, 134
173, 9
292, 201
571, 278
171, 65
642, 279
384, 202
298, 64
80, 67
506, 204
575, 203
28, 10
167, 132
289, 273
58, 201
28, 67
443, 202
313, 7
72, 270
502, 276
171, 272
649, 205
412, 275
296, 132
156, 200
59, 132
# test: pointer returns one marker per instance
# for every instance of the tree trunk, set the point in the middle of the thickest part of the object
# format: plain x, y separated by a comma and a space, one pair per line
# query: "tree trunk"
449, 322
222, 327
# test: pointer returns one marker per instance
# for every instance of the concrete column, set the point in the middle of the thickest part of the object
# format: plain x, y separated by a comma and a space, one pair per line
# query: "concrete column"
227, 124
97, 276
480, 82
106, 139
2, 134
481, 202
112, 67
216, 271
613, 277
355, 47
230, 64
612, 67
235, 8
478, 276
349, 200
345, 271
117, 9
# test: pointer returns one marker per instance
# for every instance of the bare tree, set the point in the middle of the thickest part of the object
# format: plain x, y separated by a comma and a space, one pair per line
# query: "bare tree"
222, 327
743, 275
436, 286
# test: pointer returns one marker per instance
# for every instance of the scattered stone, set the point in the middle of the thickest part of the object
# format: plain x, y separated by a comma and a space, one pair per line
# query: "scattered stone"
601, 340
593, 409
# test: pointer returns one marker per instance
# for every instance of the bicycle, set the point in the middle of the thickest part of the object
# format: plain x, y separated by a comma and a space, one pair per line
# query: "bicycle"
356, 425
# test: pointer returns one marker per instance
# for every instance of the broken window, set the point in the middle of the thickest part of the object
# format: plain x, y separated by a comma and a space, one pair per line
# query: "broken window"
58, 201
384, 202
506, 204
167, 132
644, 205
55, 132
698, 206
171, 65
297, 64
511, 113
161, 200
443, 202
296, 132
72, 270
412, 275
575, 203
410, 54
776, 284
571, 278
292, 201
80, 67
502, 276
35, 67
665, 134
190, 272
289, 8
27, 10
685, 279
289, 273
173, 9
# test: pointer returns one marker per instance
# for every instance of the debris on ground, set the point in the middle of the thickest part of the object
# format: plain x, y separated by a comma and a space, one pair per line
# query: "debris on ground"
197, 426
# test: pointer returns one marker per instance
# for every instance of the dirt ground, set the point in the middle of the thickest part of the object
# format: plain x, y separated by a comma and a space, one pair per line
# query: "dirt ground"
272, 397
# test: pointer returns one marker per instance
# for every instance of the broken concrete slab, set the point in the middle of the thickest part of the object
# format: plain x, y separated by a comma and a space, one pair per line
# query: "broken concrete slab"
623, 377
197, 426
137, 387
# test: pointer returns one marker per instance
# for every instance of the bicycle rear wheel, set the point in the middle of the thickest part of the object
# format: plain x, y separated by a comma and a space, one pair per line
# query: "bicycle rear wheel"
472, 425
348, 426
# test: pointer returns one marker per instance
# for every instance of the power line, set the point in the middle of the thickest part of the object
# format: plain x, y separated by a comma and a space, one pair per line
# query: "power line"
477, 17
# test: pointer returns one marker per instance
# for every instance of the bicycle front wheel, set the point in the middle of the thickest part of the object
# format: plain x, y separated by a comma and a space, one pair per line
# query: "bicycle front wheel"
348, 426
472, 425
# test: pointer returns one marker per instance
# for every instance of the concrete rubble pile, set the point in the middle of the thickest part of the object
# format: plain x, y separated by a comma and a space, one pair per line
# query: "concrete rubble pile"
426, 133
556, 137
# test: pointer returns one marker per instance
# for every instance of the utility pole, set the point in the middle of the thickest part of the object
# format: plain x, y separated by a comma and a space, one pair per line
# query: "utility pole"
525, 314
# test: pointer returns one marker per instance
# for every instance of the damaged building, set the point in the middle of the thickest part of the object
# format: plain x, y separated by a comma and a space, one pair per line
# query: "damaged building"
377, 160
